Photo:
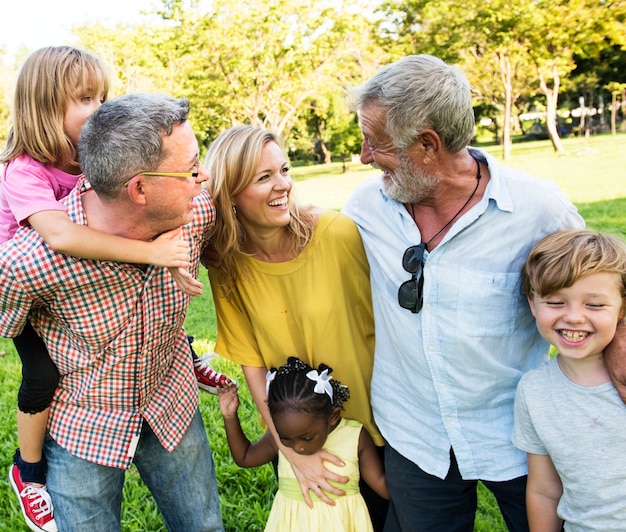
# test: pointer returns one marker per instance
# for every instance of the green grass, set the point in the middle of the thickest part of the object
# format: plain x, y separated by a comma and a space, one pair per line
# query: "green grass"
593, 175
245, 494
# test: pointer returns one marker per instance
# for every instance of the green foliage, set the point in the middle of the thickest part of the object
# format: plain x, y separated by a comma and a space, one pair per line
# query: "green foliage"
268, 64
286, 64
488, 516
262, 65
509, 49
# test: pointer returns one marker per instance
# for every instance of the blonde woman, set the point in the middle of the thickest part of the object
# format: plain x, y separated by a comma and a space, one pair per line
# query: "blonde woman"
291, 279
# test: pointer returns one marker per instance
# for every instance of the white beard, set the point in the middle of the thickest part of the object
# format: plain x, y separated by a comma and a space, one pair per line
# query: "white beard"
409, 184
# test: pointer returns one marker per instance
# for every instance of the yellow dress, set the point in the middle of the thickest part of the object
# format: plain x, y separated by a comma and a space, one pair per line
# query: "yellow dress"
290, 513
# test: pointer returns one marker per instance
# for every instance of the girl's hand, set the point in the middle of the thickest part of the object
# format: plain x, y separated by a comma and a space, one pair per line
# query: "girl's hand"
186, 282
313, 476
169, 251
228, 399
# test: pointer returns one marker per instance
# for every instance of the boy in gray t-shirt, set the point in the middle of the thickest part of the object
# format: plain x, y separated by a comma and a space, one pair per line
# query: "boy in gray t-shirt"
568, 416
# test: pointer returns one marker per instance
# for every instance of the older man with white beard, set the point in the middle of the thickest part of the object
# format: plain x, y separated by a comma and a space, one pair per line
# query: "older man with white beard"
446, 230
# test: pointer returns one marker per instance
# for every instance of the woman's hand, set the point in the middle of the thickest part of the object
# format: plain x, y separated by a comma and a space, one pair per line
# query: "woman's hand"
313, 476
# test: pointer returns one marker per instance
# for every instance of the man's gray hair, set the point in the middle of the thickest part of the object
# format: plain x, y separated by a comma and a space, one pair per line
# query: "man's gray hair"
124, 137
421, 92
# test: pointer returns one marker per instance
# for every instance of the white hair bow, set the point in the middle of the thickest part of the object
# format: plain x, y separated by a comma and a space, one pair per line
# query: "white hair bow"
322, 384
269, 377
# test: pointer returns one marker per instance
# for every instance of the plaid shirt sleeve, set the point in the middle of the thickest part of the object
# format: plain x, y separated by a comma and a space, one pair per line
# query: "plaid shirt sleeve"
15, 302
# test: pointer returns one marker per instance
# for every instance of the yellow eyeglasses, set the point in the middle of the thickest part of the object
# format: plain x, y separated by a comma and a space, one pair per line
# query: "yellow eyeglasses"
183, 175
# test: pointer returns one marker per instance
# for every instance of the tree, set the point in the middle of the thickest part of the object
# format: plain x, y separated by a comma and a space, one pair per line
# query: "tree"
334, 129
507, 47
595, 73
5, 97
617, 90
564, 29
263, 62
497, 62
130, 52
9, 67
487, 39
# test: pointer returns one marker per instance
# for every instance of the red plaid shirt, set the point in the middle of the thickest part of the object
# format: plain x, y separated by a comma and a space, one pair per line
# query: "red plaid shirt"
116, 334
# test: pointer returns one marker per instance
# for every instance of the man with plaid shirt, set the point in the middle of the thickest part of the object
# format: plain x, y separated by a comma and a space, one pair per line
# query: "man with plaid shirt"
127, 392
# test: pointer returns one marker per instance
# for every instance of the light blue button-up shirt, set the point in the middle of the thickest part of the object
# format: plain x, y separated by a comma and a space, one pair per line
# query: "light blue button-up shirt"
446, 377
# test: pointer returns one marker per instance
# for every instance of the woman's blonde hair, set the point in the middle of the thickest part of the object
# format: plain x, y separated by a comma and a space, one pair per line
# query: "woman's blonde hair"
232, 162
49, 79
562, 258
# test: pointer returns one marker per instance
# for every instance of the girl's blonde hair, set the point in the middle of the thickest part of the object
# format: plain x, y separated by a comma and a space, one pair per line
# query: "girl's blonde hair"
49, 79
562, 258
232, 161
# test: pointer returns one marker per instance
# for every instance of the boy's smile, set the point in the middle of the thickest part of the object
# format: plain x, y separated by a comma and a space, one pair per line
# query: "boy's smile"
580, 320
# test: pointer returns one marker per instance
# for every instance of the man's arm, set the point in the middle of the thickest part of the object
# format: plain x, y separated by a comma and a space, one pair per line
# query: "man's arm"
615, 360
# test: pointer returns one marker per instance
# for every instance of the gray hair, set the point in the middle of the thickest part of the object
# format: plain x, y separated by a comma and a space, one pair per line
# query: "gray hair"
421, 92
125, 137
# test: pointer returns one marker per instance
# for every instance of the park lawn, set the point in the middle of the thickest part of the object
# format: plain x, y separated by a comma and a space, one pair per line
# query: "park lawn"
592, 174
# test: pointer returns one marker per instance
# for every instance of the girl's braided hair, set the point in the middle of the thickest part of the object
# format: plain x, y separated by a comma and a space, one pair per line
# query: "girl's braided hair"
292, 389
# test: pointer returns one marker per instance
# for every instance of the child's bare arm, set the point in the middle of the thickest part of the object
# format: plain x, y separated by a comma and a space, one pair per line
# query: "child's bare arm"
543, 491
168, 250
371, 466
244, 453
64, 236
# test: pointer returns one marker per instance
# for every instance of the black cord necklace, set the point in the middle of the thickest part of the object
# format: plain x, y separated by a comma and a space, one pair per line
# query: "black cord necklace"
478, 176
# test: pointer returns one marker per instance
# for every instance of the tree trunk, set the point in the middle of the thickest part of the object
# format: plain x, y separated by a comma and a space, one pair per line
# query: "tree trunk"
321, 149
552, 98
506, 77
326, 152
614, 113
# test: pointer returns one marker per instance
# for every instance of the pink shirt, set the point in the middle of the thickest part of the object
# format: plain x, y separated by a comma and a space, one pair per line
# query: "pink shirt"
28, 187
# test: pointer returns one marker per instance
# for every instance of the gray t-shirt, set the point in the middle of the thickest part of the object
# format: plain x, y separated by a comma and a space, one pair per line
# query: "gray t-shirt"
583, 429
